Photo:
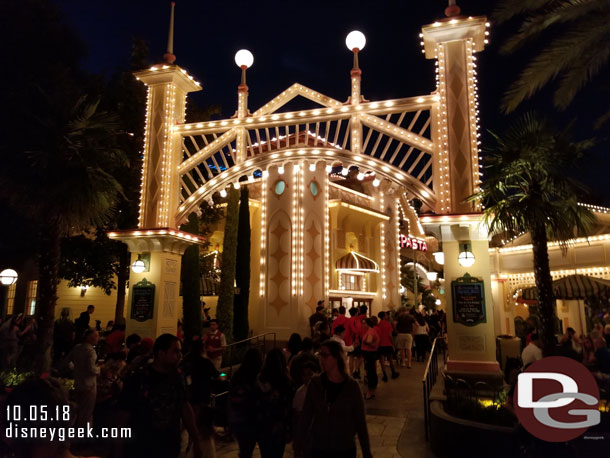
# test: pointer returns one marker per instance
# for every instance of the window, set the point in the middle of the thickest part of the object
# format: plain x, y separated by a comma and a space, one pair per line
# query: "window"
351, 282
280, 187
10, 298
313, 187
30, 302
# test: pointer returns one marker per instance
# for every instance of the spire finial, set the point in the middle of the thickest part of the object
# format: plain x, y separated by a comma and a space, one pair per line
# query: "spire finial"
452, 9
169, 56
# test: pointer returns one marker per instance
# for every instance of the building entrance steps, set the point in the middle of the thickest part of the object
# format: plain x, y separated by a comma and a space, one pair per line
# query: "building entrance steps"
395, 419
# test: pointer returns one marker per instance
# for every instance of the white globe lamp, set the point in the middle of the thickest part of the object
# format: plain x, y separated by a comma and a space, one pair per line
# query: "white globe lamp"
466, 257
8, 277
355, 41
244, 58
138, 266
439, 257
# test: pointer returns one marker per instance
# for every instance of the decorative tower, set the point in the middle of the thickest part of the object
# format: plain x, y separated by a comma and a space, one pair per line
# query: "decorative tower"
453, 42
152, 307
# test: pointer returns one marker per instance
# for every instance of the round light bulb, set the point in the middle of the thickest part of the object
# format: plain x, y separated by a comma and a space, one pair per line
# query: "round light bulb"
432, 276
437, 302
223, 193
138, 266
8, 277
244, 58
355, 40
344, 171
376, 182
236, 185
360, 176
329, 168
280, 170
312, 167
265, 173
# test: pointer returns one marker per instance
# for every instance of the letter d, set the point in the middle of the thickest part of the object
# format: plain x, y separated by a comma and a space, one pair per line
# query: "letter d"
525, 383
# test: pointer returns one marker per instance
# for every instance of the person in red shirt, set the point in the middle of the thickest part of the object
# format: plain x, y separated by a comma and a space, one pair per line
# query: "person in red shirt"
370, 345
341, 320
214, 342
386, 349
116, 339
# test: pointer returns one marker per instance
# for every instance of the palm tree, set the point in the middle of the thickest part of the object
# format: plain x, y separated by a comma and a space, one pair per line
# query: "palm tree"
576, 34
62, 178
526, 191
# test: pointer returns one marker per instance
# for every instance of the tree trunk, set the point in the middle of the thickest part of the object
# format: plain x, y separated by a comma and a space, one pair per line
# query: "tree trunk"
226, 294
241, 326
191, 285
122, 279
48, 264
27, 274
544, 284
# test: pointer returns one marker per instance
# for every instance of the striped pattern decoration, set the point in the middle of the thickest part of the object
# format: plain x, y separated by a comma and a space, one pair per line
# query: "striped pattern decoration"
573, 287
355, 262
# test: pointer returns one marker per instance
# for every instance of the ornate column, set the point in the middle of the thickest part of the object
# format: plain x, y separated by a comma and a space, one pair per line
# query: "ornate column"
453, 43
152, 307
470, 326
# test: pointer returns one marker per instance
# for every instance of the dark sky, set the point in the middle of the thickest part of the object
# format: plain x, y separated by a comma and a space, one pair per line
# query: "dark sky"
304, 41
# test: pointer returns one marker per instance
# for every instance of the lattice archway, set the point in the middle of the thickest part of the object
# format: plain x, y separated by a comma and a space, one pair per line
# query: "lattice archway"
394, 137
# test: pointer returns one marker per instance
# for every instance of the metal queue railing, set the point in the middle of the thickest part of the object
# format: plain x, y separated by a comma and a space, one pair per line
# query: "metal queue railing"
430, 376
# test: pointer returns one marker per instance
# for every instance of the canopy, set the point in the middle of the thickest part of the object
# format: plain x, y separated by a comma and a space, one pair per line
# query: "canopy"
573, 287
354, 262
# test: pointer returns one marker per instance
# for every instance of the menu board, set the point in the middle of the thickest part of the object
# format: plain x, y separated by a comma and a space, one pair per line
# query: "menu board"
468, 299
143, 301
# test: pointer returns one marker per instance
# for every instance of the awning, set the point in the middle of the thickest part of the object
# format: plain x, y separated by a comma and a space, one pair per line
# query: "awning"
573, 287
354, 262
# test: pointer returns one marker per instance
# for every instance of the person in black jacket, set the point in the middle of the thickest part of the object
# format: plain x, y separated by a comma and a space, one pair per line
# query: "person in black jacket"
333, 412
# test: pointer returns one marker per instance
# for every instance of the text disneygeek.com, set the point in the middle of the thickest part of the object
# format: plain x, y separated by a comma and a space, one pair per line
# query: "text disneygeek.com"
17, 431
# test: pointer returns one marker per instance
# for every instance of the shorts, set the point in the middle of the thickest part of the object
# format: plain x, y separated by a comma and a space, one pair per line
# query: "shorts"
386, 351
404, 341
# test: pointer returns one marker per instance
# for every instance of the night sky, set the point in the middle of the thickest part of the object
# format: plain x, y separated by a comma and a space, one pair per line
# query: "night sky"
304, 42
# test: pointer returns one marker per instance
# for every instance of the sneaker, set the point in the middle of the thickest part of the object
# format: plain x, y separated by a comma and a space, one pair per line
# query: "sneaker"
385, 377
395, 375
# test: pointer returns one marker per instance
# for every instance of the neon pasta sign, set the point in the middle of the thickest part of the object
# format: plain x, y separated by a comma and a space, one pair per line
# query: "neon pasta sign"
413, 243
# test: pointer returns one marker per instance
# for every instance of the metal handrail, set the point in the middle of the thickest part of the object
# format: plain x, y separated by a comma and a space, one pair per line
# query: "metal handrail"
429, 379
232, 345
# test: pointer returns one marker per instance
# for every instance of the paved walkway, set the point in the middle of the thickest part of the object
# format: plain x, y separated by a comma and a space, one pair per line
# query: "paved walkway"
395, 420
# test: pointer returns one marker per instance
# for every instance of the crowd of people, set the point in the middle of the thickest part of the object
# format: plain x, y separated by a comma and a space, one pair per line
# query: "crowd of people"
307, 394
592, 350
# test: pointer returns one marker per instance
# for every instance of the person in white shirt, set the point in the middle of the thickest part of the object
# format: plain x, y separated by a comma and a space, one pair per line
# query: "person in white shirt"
533, 352
84, 358
338, 336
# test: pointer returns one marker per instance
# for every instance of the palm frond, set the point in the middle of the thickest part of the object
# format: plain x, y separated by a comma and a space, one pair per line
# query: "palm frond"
557, 57
539, 22
509, 9
581, 71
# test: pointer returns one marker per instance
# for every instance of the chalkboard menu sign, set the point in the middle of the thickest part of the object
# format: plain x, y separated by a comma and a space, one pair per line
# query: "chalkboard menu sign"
468, 297
143, 301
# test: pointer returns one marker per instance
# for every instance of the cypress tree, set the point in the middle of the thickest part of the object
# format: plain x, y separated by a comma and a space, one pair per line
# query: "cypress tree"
191, 286
242, 268
226, 294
